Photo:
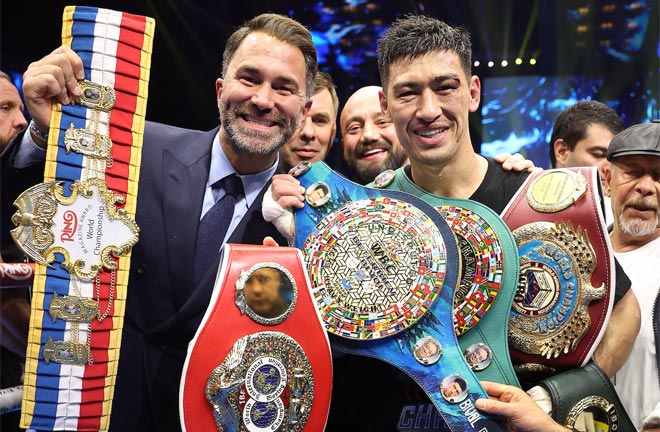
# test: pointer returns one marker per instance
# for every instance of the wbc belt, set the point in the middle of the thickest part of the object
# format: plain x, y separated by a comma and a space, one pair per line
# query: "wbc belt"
78, 225
260, 359
383, 266
564, 295
488, 278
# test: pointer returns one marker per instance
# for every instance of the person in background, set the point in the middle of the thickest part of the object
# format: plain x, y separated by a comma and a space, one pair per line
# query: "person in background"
368, 139
14, 302
581, 136
312, 140
268, 69
633, 178
12, 120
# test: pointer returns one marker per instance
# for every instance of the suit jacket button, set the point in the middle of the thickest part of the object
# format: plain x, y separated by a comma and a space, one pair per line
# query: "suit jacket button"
140, 270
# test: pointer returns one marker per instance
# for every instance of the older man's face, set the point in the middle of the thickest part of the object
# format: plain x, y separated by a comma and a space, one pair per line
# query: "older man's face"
634, 183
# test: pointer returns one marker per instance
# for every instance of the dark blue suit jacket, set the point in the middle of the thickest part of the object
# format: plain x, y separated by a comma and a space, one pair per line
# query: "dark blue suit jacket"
163, 309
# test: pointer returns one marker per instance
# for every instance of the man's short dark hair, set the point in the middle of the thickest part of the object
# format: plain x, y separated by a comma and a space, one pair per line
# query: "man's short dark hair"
413, 36
572, 124
322, 81
284, 29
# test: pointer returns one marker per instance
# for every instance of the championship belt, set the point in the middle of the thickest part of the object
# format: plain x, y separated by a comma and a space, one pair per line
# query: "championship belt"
260, 360
487, 282
585, 399
564, 297
383, 266
78, 226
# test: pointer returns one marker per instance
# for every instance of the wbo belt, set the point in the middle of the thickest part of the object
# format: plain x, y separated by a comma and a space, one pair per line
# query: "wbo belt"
383, 266
488, 278
260, 359
564, 296
78, 226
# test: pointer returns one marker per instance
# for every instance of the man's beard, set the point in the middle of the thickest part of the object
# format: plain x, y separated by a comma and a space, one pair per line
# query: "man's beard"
638, 227
252, 141
366, 172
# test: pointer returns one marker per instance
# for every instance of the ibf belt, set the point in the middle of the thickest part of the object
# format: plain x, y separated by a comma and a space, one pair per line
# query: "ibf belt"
488, 278
566, 269
78, 226
586, 396
383, 266
260, 360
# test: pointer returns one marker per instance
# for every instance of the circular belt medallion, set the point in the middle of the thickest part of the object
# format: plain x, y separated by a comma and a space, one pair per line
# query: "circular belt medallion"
264, 384
549, 315
481, 265
556, 190
376, 265
597, 409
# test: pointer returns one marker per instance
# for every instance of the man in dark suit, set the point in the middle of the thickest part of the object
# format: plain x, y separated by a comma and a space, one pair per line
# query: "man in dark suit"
267, 79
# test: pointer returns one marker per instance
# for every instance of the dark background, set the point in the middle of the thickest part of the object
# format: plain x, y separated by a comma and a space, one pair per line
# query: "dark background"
605, 50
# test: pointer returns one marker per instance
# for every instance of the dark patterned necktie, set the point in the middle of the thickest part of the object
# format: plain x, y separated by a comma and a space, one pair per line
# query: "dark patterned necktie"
213, 226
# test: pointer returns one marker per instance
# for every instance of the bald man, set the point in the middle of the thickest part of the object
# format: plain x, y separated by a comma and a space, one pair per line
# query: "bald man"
368, 137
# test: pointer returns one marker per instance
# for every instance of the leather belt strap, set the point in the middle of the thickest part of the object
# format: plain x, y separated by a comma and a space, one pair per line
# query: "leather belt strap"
89, 196
488, 282
565, 296
383, 266
587, 389
260, 359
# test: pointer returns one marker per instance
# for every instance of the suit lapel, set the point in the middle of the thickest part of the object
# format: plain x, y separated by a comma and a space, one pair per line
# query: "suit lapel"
185, 172
251, 230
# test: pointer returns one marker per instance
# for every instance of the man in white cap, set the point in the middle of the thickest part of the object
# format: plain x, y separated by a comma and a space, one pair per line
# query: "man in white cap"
634, 182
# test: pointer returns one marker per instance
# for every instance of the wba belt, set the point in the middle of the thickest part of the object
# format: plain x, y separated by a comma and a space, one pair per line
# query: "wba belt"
383, 266
260, 359
78, 225
565, 295
488, 278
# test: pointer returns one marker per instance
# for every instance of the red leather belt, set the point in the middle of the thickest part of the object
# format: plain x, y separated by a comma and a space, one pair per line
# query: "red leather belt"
564, 296
260, 359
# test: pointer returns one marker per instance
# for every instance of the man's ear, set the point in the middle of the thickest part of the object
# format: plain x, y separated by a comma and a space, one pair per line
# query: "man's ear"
305, 110
607, 173
333, 135
383, 102
475, 93
561, 149
218, 90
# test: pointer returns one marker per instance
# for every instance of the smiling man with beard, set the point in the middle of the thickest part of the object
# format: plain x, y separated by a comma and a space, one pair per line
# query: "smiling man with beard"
368, 136
269, 64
